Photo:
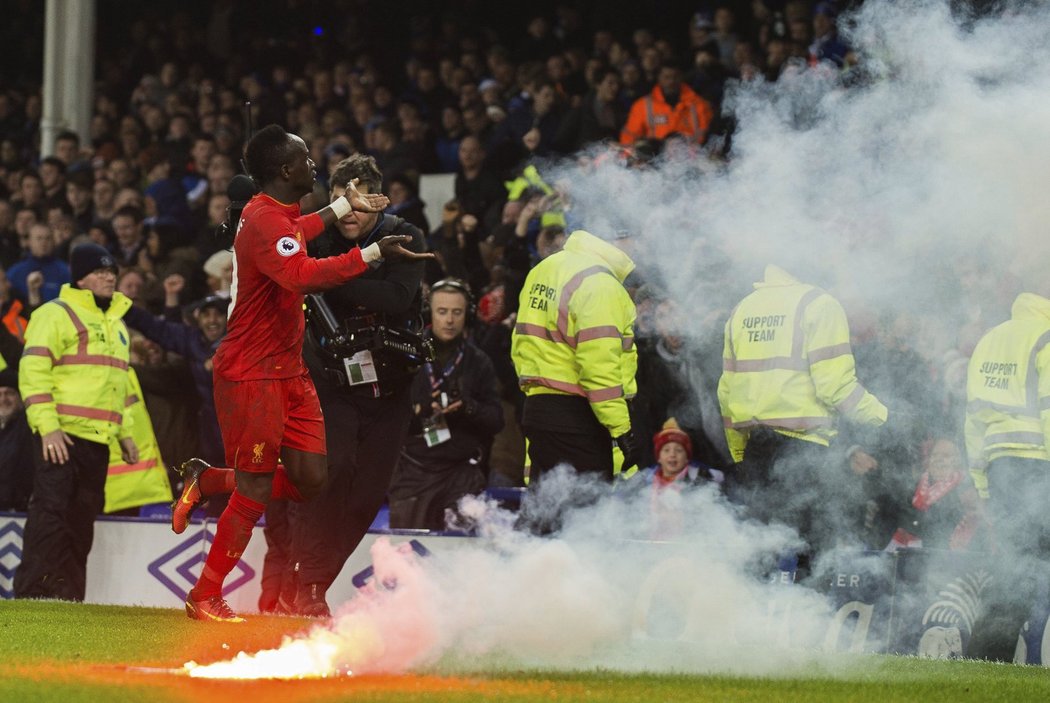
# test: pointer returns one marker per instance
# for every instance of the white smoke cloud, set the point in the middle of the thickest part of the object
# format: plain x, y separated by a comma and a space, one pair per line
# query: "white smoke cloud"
936, 150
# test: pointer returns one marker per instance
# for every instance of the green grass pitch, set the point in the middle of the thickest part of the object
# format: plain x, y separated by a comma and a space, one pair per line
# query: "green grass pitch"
66, 652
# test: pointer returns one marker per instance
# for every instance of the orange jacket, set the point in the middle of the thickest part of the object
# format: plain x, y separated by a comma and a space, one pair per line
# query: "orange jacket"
14, 322
652, 118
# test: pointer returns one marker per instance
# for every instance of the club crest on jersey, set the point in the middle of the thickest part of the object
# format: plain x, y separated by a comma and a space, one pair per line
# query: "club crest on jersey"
286, 246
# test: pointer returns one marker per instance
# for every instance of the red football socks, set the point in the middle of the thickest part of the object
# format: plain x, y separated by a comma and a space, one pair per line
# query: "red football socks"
232, 534
217, 480
283, 486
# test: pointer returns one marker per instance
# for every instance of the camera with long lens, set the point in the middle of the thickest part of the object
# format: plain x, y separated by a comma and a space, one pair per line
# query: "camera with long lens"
341, 342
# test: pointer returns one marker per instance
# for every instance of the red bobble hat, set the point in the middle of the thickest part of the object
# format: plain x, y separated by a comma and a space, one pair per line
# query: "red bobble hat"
671, 432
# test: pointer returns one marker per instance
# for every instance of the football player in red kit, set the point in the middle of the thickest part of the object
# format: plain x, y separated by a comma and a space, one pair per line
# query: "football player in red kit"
270, 418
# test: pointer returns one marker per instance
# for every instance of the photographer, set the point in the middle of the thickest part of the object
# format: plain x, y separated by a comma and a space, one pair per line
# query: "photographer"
363, 389
457, 413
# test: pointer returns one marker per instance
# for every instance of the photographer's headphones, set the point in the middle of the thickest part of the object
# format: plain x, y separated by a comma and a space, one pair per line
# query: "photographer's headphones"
455, 285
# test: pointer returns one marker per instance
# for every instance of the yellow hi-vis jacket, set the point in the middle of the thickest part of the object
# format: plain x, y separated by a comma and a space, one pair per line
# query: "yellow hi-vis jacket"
1008, 388
575, 329
74, 370
146, 481
787, 364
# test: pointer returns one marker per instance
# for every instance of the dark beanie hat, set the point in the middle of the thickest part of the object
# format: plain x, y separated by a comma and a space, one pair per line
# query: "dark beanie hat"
87, 257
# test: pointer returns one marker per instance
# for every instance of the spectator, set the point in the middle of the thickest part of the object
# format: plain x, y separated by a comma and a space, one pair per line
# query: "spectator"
947, 512
197, 343
447, 143
13, 315
30, 192
724, 36
219, 271
598, 118
67, 147
103, 197
53, 178
478, 190
391, 154
405, 202
122, 173
633, 87
132, 283
10, 247
700, 35
671, 107
17, 458
456, 415
664, 481
128, 229
678, 377
477, 122
827, 46
529, 129
79, 192
54, 272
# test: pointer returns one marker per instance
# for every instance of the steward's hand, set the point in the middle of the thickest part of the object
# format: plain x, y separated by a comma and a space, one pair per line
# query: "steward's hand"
628, 444
56, 446
129, 451
391, 247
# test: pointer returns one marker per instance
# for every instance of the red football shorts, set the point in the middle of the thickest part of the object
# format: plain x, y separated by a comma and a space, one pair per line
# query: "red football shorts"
257, 418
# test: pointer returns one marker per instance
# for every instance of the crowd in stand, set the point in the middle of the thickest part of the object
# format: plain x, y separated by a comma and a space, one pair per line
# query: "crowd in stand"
149, 182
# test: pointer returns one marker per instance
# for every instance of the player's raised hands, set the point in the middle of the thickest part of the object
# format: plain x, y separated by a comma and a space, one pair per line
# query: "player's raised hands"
392, 246
365, 202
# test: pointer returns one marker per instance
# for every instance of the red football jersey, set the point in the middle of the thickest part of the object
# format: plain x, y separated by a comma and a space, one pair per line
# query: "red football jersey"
271, 273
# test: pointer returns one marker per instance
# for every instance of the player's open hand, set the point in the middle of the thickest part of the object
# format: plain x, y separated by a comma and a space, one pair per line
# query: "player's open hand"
365, 202
392, 246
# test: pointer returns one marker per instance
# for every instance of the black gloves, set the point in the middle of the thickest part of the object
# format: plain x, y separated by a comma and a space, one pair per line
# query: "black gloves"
628, 444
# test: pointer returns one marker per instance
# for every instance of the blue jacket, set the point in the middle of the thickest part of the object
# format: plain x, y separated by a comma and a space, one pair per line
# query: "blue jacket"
56, 273
188, 342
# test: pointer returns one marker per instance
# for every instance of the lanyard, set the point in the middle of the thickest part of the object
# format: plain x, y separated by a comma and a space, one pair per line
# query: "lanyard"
438, 381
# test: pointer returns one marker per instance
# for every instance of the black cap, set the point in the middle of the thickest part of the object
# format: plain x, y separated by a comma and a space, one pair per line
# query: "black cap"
212, 301
9, 378
88, 257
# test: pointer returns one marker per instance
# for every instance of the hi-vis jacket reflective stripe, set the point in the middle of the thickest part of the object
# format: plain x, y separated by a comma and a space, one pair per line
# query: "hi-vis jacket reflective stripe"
145, 481
74, 370
651, 117
1008, 388
787, 364
575, 329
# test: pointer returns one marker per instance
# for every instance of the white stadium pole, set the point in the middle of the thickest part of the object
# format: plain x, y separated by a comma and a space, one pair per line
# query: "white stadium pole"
69, 70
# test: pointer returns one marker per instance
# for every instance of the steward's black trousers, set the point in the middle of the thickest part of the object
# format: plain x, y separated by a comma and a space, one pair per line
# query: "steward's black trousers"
60, 522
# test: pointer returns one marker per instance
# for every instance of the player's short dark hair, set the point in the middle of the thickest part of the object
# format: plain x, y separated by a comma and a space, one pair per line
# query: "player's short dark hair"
361, 167
267, 151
